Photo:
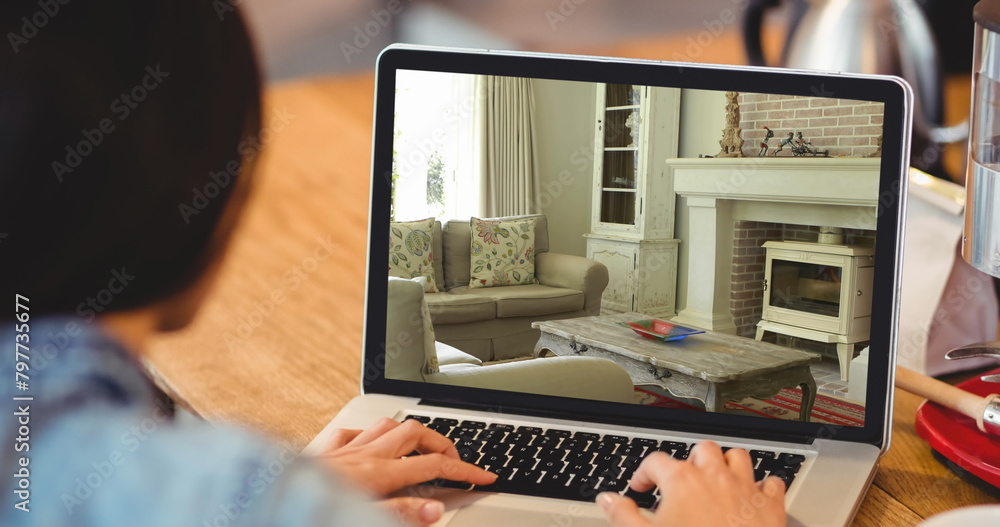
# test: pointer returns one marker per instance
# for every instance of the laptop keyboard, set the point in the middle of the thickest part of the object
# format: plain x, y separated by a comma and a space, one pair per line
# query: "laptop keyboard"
578, 466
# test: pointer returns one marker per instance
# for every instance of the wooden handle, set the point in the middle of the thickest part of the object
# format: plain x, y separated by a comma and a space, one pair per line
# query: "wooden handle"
942, 393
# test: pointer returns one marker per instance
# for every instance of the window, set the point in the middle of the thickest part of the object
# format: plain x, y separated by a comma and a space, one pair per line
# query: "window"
434, 148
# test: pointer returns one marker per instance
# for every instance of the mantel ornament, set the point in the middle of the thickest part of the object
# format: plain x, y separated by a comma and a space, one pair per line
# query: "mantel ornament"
732, 142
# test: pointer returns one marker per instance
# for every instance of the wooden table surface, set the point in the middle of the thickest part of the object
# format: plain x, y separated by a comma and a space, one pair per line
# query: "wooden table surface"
277, 347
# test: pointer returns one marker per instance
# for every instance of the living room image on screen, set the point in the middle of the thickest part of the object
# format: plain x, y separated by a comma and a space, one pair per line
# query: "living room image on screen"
702, 250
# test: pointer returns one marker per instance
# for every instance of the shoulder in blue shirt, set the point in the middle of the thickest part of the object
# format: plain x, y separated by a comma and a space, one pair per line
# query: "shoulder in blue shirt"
96, 445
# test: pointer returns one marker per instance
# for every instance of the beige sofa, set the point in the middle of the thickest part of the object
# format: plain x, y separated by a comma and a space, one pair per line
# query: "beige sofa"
494, 323
413, 354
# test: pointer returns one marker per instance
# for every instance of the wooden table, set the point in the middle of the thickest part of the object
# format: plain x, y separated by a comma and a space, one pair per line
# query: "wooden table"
711, 367
286, 369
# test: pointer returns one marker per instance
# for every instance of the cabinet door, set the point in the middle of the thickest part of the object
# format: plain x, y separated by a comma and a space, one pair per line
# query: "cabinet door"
617, 163
656, 279
619, 258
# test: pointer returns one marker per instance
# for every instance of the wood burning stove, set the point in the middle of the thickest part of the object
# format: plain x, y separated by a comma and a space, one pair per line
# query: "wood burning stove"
819, 292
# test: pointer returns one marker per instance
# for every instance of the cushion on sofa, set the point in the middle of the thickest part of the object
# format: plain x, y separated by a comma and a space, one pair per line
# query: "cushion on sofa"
456, 237
528, 300
503, 253
411, 251
449, 308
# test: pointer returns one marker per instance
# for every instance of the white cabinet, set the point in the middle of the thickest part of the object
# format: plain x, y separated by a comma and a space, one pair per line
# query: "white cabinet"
632, 223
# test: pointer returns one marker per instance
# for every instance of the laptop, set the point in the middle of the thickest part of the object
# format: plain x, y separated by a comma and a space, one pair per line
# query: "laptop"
592, 259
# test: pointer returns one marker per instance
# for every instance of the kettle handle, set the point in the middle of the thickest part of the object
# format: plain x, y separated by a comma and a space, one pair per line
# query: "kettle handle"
753, 21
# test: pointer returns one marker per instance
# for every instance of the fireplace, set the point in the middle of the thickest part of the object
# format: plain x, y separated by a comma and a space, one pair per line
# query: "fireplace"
819, 292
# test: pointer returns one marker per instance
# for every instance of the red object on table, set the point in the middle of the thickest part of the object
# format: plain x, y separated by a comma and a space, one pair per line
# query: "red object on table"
957, 438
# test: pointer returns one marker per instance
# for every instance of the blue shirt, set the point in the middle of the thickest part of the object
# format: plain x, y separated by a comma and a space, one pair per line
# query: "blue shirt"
96, 446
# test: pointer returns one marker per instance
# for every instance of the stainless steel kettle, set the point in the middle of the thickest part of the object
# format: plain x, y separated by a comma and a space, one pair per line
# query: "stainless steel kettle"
866, 36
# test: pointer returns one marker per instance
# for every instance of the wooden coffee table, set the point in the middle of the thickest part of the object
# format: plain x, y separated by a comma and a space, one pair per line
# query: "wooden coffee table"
711, 367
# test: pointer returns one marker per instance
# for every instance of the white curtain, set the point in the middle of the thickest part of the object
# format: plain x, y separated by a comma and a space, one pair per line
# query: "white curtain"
505, 132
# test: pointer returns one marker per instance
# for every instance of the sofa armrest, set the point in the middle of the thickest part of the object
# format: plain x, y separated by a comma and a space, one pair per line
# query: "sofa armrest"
581, 377
574, 272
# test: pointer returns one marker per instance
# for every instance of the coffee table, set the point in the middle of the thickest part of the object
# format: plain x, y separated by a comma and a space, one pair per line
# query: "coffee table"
711, 367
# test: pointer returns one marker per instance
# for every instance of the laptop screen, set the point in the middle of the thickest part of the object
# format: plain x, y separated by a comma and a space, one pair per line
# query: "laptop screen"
714, 247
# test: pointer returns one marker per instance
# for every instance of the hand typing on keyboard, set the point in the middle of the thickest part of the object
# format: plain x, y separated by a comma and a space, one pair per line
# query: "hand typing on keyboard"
709, 488
374, 460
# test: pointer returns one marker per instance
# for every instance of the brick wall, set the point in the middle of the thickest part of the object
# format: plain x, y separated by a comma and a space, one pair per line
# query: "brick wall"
842, 126
746, 295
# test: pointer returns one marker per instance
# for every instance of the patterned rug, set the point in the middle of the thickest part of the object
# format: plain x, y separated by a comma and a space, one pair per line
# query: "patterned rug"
785, 405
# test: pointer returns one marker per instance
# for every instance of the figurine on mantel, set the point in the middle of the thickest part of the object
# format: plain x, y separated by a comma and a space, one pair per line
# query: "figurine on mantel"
799, 145
802, 147
763, 144
783, 143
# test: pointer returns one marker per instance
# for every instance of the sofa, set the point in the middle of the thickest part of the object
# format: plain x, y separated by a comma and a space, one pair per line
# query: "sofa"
494, 323
414, 354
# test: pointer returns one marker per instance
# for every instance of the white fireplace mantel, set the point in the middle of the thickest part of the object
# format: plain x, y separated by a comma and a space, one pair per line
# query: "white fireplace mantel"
714, 193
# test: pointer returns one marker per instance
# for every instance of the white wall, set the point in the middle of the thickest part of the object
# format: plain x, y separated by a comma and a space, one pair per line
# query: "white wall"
703, 117
564, 120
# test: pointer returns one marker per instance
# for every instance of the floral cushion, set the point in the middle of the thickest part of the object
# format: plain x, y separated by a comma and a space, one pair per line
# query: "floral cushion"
503, 252
410, 254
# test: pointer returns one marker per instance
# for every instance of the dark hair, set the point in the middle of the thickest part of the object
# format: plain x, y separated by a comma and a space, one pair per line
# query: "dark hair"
123, 129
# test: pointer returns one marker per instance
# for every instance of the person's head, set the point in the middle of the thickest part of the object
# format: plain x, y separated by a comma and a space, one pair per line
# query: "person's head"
123, 149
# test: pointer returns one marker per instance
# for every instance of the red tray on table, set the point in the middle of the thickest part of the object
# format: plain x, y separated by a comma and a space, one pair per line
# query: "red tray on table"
956, 436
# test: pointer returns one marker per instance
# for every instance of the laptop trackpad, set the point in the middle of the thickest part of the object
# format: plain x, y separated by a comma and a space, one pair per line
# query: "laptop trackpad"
481, 515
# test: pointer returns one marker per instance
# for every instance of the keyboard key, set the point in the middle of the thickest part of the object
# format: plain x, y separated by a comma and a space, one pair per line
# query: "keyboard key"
493, 460
584, 487
586, 436
631, 462
468, 444
518, 438
445, 421
673, 446
581, 457
469, 456
550, 466
572, 445
550, 454
791, 459
651, 443
422, 418
615, 439
607, 460
524, 452
473, 424
546, 441
462, 432
602, 447
632, 450
500, 426
496, 448
522, 463
492, 435
553, 432
440, 428
531, 430
554, 479
645, 500
611, 483
580, 468
526, 476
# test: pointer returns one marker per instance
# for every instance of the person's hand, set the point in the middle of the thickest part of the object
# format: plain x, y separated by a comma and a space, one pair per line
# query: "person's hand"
373, 459
710, 488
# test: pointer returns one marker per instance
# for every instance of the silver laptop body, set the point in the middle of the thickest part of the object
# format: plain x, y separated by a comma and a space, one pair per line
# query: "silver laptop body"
678, 157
